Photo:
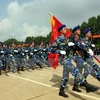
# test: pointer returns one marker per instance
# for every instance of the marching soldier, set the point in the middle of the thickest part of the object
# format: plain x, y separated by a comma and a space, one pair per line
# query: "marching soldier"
78, 48
89, 58
33, 53
62, 46
42, 51
12, 56
1, 64
23, 58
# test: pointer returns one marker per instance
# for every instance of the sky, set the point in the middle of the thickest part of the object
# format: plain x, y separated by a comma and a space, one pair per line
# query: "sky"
22, 18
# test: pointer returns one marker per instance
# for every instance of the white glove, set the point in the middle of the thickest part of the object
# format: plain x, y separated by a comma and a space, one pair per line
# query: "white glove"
11, 55
26, 50
23, 54
16, 51
90, 52
83, 43
31, 53
63, 52
35, 50
71, 44
2, 51
93, 45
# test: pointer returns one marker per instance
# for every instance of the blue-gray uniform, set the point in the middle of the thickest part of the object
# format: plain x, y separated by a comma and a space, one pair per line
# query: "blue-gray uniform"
24, 60
61, 43
41, 53
81, 63
8, 62
45, 53
31, 57
1, 63
89, 59
12, 58
33, 54
4, 58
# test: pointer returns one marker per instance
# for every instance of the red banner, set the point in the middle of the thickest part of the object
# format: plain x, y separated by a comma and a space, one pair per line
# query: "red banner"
96, 36
55, 23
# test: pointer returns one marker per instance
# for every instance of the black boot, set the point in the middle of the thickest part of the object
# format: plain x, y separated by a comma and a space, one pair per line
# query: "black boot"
98, 78
18, 70
22, 69
32, 68
0, 72
8, 68
62, 93
40, 65
6, 73
75, 88
89, 88
91, 85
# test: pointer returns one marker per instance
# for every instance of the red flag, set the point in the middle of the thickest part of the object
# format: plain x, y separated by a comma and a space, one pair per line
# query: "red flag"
55, 23
53, 59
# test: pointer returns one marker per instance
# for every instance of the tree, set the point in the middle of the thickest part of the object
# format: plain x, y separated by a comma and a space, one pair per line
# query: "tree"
47, 39
29, 39
84, 25
98, 24
38, 39
92, 22
10, 41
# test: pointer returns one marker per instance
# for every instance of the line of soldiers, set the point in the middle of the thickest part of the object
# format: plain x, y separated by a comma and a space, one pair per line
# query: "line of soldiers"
18, 59
81, 54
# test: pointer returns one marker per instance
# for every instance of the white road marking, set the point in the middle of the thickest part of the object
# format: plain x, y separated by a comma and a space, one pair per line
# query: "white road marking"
81, 94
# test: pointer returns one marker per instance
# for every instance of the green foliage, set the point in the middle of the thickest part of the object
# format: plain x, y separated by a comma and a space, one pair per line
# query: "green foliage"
84, 25
10, 41
70, 29
38, 39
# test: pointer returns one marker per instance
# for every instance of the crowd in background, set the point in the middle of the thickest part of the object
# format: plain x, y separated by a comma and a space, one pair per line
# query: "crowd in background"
15, 59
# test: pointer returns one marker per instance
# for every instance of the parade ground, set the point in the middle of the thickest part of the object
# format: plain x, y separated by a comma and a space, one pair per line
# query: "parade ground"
41, 84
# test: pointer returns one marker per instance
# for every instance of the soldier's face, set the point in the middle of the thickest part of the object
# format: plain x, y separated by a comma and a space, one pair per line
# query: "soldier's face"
41, 43
78, 32
88, 34
32, 44
63, 31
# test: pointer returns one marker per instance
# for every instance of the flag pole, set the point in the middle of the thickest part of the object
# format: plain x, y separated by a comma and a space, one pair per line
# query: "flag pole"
96, 58
50, 14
